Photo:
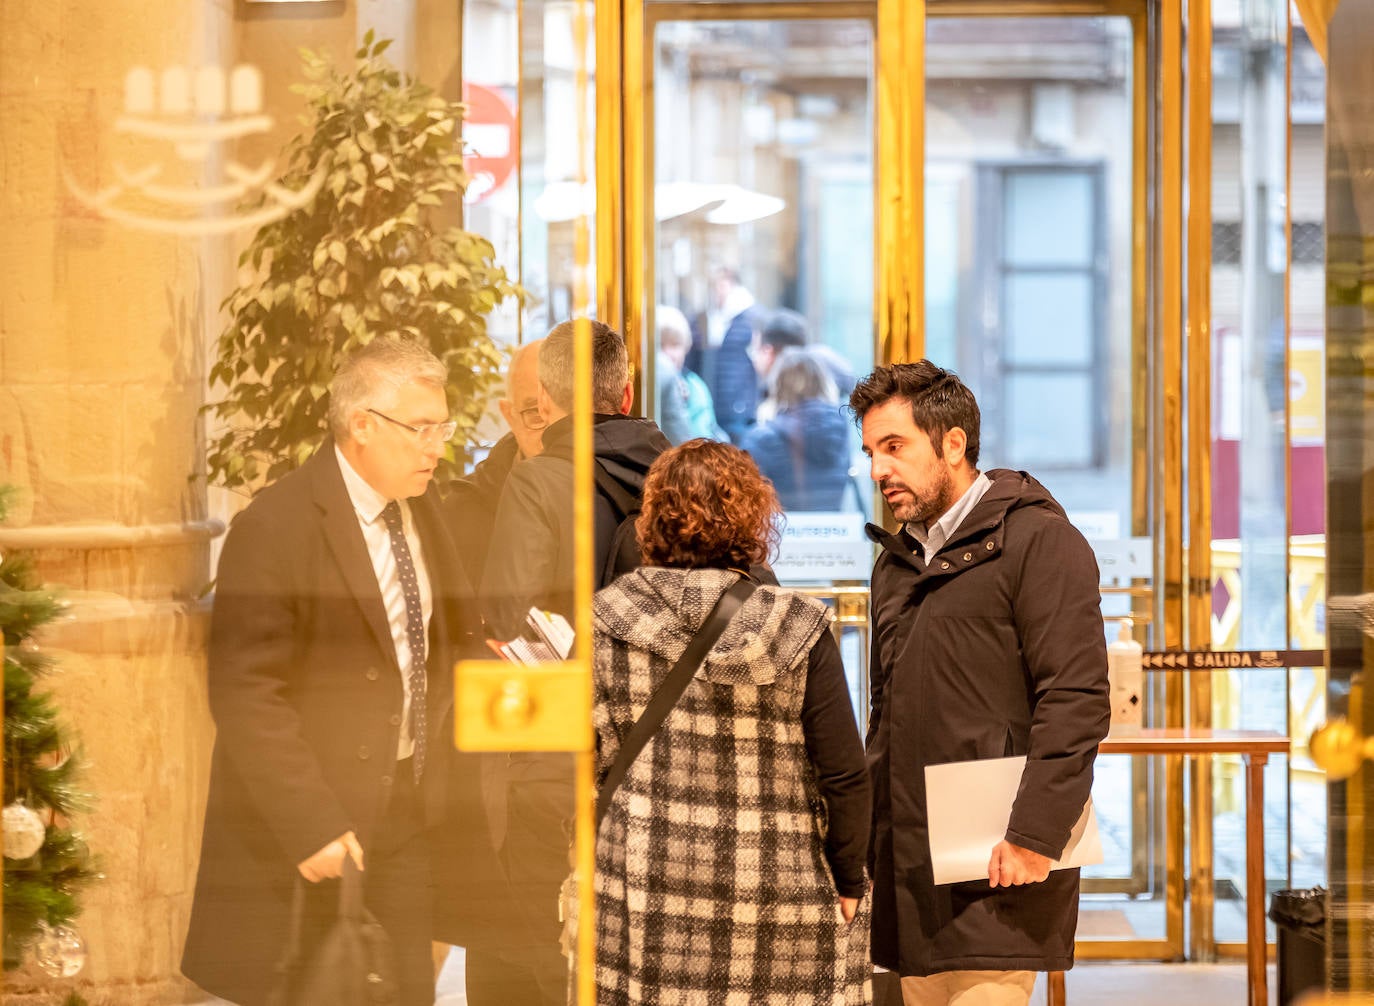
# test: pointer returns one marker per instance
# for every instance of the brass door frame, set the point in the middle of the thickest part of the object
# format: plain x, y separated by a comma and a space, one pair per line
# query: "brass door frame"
631, 300
625, 30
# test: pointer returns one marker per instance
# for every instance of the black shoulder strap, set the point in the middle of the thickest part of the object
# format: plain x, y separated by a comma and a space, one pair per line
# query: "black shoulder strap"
667, 694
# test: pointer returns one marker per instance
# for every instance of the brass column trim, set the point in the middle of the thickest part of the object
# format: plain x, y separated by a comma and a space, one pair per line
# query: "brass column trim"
899, 300
610, 179
1199, 469
634, 270
1142, 468
583, 552
1168, 269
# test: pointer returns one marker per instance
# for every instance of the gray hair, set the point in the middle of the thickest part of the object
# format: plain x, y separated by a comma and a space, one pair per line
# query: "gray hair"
673, 329
367, 375
610, 367
798, 376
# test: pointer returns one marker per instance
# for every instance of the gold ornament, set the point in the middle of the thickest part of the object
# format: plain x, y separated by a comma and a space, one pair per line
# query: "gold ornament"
1339, 748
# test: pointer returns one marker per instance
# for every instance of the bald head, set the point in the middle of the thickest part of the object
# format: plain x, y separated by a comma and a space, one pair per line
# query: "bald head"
520, 407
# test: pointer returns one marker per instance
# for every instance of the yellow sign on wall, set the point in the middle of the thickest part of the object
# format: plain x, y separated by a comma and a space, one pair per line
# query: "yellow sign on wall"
1307, 391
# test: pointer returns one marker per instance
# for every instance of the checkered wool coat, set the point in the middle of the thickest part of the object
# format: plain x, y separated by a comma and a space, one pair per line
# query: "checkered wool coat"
711, 880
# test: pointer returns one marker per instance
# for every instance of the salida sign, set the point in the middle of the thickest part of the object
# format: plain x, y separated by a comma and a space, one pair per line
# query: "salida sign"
489, 131
1211, 660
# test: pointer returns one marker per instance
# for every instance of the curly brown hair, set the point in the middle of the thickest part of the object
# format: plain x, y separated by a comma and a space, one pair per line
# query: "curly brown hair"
707, 504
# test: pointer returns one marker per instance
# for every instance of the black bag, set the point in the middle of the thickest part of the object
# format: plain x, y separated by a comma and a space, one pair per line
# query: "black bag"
352, 964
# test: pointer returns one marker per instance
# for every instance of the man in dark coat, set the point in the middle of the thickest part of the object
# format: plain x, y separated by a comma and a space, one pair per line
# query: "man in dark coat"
530, 563
987, 643
340, 606
471, 501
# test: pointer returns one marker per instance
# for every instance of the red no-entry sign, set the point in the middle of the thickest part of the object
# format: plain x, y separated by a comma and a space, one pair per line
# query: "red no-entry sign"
490, 134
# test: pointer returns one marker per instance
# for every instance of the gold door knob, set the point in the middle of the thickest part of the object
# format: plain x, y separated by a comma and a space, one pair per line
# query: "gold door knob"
513, 706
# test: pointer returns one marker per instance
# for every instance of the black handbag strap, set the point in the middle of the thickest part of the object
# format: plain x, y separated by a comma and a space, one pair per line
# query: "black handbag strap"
671, 689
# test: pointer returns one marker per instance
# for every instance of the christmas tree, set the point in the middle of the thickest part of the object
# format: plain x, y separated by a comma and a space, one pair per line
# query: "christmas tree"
46, 862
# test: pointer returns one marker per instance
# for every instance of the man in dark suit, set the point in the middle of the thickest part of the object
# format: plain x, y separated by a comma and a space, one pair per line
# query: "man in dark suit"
340, 606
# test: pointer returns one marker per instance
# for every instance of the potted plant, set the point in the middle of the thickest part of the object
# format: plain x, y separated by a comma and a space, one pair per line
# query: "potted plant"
377, 252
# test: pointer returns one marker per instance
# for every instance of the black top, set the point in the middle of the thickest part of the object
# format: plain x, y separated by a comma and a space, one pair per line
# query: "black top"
832, 741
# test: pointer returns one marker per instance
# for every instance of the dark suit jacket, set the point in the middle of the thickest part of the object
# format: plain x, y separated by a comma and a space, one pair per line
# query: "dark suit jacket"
306, 695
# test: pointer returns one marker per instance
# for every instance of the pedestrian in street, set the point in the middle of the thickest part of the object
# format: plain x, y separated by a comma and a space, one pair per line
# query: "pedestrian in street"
987, 642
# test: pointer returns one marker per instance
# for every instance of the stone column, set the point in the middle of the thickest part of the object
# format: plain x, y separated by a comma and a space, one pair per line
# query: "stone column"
105, 330
102, 339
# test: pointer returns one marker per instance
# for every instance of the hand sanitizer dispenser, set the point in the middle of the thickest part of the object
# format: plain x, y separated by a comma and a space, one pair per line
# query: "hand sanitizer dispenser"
1126, 681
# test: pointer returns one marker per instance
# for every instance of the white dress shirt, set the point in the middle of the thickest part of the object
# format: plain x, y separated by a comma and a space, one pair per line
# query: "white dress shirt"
933, 538
368, 505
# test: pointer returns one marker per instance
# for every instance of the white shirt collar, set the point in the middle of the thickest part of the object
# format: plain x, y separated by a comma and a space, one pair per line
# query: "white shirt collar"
933, 538
368, 502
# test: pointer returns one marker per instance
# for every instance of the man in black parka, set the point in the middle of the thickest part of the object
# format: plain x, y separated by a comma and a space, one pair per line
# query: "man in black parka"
987, 642
530, 562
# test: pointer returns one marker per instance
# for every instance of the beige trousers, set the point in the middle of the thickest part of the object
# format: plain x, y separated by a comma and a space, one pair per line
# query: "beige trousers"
969, 988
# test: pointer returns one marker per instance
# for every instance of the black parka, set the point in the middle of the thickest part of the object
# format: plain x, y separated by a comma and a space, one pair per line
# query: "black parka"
530, 561
996, 649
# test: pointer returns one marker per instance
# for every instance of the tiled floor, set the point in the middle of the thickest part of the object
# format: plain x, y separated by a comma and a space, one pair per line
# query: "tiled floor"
1098, 984
1093, 984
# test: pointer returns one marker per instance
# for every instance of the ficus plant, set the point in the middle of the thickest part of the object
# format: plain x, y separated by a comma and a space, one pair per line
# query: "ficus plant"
376, 253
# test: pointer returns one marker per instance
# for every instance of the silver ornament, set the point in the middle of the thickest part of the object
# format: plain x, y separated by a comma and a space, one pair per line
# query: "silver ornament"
59, 951
24, 831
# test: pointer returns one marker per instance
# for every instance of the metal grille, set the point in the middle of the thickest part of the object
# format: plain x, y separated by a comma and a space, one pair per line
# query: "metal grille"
1308, 238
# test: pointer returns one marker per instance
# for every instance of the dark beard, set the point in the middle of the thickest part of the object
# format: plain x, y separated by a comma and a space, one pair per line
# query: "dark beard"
925, 510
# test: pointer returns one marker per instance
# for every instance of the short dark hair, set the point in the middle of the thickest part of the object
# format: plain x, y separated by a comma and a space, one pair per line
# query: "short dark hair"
784, 328
610, 366
939, 401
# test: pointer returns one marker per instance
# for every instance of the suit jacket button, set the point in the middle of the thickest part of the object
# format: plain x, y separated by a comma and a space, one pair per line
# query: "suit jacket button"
386, 780
363, 753
395, 720
372, 674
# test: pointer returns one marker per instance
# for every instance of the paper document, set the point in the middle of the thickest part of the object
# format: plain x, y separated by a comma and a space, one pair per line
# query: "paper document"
968, 805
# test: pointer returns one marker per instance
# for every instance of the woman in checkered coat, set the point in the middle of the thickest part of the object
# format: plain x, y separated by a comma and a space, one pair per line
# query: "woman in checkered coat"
730, 864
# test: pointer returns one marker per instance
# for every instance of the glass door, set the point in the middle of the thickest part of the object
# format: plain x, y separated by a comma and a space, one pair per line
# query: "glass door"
1035, 292
759, 287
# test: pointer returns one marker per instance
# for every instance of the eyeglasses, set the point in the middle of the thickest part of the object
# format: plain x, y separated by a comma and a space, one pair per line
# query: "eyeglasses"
430, 433
533, 418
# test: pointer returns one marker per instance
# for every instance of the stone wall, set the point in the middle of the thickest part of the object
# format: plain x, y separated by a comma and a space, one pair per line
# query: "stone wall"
105, 332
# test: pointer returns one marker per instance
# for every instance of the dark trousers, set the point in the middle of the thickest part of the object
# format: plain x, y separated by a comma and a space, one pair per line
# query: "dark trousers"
516, 976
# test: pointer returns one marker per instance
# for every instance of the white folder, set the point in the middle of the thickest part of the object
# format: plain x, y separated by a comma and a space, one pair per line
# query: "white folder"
968, 806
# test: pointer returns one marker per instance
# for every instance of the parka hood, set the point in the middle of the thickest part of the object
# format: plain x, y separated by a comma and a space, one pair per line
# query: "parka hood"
624, 446
660, 609
1010, 490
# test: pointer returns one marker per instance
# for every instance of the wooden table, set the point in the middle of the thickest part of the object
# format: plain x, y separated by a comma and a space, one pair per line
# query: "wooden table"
1255, 747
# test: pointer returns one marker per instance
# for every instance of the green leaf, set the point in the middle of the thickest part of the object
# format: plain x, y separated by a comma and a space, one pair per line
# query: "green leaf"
362, 261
